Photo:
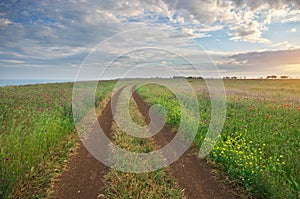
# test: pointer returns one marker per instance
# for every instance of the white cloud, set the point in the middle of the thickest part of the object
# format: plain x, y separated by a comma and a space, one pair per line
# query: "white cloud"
4, 22
285, 46
193, 33
12, 61
293, 30
286, 15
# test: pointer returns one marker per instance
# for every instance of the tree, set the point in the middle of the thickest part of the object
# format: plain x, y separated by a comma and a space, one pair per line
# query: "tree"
284, 77
271, 77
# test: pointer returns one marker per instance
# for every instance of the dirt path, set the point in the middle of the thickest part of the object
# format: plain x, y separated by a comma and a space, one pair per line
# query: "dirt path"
84, 175
192, 173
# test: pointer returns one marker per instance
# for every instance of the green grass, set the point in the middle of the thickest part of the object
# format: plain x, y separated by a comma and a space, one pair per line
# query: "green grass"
155, 184
259, 144
258, 148
36, 134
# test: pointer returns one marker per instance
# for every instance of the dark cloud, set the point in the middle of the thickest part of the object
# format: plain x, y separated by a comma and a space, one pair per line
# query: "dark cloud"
282, 57
265, 63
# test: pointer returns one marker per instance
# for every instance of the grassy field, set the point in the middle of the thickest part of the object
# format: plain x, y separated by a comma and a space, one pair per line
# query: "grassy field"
36, 135
259, 144
258, 147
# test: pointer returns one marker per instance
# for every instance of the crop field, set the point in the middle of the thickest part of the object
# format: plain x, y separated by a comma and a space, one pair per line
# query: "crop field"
257, 150
259, 144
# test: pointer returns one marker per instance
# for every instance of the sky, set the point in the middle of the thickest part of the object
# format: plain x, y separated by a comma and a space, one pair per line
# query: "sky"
65, 39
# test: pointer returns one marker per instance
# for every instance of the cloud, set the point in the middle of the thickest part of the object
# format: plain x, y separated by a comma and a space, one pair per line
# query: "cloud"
293, 30
12, 61
273, 4
263, 63
254, 64
93, 20
4, 22
270, 57
286, 15
62, 32
285, 46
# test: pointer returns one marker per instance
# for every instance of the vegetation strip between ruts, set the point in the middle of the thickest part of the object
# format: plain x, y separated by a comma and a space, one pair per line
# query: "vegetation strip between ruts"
156, 184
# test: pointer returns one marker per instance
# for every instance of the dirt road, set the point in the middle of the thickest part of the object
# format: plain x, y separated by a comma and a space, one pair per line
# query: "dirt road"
84, 175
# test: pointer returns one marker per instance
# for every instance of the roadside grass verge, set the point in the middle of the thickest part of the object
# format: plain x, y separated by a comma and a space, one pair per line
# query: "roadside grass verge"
259, 144
36, 135
156, 184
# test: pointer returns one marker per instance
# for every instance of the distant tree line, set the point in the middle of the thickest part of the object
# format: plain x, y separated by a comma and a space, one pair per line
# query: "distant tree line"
234, 77
268, 77
189, 77
227, 77
192, 77
276, 77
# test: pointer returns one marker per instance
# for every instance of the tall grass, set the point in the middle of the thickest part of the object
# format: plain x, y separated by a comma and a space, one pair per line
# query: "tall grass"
36, 133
